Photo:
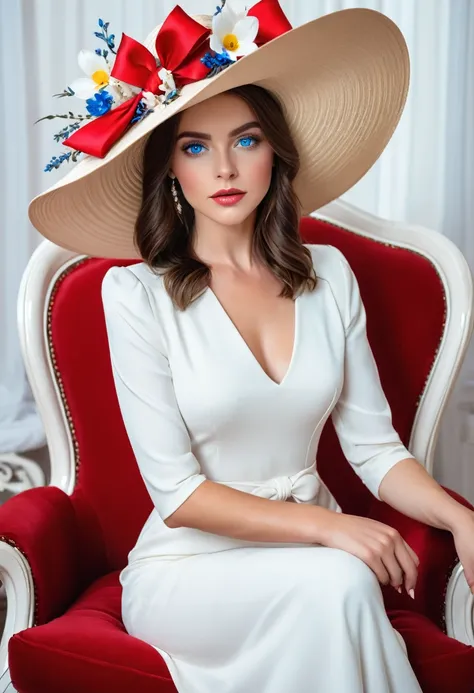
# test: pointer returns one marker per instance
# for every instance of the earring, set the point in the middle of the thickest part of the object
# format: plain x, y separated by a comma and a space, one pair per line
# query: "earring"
176, 201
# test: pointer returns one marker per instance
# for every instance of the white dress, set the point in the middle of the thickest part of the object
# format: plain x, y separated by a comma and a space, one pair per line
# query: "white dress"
229, 615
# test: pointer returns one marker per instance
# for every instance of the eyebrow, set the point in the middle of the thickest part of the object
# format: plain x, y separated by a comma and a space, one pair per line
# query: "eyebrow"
206, 136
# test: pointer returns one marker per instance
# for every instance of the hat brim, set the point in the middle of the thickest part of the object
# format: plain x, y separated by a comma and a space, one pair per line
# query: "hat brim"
343, 80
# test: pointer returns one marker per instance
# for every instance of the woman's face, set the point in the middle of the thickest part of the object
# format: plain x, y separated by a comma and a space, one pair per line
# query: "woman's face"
220, 146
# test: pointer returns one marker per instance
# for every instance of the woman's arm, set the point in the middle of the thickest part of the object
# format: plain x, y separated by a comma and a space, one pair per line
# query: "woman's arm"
219, 509
409, 488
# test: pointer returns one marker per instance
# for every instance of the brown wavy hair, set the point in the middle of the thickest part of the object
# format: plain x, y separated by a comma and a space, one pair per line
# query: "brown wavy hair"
164, 241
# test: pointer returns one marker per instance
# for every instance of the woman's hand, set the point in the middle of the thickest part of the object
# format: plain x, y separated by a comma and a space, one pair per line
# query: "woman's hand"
381, 547
463, 534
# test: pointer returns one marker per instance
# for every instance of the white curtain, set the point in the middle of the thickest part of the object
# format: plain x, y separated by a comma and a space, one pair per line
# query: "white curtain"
425, 175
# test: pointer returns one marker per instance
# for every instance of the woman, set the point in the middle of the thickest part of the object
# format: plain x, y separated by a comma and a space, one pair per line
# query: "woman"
231, 344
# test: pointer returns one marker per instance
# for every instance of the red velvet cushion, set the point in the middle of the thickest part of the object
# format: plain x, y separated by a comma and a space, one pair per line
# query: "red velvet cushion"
88, 650
404, 299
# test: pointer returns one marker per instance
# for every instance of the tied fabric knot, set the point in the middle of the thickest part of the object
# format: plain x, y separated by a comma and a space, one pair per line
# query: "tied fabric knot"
282, 487
303, 486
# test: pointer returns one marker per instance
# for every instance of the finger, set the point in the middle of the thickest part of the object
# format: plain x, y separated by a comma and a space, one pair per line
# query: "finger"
412, 553
393, 567
408, 565
375, 562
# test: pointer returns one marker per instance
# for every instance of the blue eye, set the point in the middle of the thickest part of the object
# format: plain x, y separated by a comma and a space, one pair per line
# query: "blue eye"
191, 148
249, 140
196, 148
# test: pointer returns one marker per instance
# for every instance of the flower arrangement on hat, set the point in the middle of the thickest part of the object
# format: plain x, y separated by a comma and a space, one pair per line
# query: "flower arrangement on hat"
105, 89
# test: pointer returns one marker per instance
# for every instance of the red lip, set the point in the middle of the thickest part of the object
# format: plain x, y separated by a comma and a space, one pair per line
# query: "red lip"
228, 191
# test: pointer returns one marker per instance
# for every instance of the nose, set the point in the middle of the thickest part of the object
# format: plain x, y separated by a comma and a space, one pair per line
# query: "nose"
225, 166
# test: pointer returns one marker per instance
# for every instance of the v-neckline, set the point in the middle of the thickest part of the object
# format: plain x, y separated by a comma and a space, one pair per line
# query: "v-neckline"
253, 358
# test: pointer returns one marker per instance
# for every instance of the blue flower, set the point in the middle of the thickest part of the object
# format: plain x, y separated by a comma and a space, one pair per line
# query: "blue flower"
56, 161
67, 131
171, 96
100, 104
218, 10
140, 112
103, 35
216, 60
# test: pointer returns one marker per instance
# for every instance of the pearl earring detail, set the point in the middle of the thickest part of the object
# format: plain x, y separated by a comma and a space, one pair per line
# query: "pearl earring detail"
176, 201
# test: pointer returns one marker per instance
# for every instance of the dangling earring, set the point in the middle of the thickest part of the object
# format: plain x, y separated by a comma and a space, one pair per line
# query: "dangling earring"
176, 201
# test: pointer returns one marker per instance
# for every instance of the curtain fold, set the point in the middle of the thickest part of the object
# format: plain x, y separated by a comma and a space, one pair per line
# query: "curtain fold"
425, 175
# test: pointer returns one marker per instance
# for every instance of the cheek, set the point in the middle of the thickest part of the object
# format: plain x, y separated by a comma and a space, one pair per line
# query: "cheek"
192, 184
262, 173
260, 170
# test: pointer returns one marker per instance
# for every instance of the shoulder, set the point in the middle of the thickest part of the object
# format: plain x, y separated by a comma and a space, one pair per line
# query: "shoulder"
327, 259
331, 266
133, 285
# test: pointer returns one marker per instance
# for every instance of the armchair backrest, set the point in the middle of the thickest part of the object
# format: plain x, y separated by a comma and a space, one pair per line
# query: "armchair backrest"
417, 291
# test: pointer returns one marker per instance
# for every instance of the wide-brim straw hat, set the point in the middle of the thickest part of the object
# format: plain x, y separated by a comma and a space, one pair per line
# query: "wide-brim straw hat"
343, 81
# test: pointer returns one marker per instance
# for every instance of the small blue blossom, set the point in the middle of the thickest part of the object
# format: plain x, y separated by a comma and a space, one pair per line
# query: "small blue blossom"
67, 131
102, 52
140, 112
56, 161
109, 40
100, 104
171, 96
218, 10
216, 60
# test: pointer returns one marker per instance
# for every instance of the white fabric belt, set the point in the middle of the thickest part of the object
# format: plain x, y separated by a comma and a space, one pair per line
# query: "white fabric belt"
302, 486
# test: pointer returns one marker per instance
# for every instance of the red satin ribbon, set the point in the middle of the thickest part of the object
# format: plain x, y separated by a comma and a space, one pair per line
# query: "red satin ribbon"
272, 21
180, 44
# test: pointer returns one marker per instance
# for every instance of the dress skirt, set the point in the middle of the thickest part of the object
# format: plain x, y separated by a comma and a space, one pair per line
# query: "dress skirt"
307, 619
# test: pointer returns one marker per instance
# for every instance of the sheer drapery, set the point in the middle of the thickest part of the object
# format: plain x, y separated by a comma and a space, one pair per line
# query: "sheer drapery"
425, 175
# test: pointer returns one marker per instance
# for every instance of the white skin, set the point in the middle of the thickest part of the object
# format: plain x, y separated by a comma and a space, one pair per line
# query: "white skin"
223, 234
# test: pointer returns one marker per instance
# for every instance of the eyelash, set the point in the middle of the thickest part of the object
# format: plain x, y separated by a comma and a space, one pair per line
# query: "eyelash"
188, 146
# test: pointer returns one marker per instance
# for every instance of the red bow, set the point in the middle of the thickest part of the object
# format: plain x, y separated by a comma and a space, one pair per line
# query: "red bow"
272, 21
180, 44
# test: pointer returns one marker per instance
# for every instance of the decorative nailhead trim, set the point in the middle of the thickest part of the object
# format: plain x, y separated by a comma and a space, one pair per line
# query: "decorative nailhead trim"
52, 354
65, 404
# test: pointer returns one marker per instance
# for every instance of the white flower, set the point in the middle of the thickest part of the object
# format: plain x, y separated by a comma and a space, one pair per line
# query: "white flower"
123, 90
152, 100
167, 80
98, 75
233, 31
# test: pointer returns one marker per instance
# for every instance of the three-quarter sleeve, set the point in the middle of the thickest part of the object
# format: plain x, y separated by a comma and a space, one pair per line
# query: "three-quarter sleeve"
144, 386
362, 417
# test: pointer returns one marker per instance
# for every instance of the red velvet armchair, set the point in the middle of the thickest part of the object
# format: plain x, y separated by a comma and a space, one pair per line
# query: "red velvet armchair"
62, 546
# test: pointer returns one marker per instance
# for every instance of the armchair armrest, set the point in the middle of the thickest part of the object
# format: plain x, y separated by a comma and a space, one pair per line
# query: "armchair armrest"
42, 524
437, 553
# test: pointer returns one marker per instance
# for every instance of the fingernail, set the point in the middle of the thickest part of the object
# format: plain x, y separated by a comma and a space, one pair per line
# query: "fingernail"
399, 589
412, 593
